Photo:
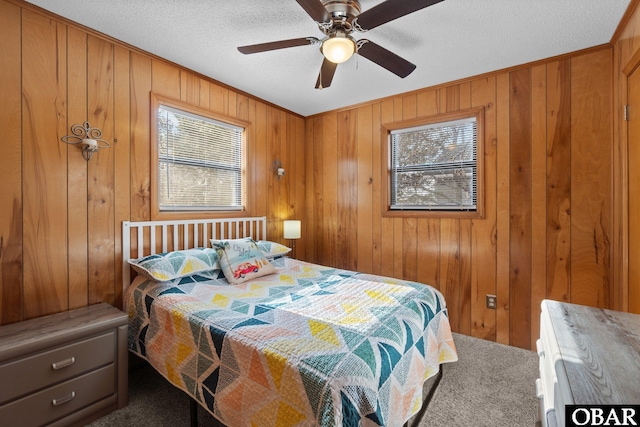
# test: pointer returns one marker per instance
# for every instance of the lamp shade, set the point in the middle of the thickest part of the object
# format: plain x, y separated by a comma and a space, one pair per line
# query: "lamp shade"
292, 229
338, 49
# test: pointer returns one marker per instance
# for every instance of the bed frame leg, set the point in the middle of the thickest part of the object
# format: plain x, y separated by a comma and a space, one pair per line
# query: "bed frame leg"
427, 399
417, 418
193, 412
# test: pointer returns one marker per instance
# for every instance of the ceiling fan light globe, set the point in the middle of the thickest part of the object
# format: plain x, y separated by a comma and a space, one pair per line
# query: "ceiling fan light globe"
338, 49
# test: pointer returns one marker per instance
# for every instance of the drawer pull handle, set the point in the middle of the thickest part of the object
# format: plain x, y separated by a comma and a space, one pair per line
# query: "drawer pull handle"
65, 399
63, 363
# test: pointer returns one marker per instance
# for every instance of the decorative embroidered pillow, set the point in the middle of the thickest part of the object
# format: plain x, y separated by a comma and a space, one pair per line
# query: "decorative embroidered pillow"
272, 249
172, 265
241, 259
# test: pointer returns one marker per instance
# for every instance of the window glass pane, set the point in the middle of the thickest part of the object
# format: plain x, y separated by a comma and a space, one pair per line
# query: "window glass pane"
434, 166
444, 189
200, 162
186, 187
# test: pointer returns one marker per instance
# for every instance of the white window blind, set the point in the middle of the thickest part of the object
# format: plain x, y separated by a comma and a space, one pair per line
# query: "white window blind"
433, 167
199, 162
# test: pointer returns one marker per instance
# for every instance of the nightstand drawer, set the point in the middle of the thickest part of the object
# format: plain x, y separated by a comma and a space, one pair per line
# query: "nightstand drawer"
50, 367
58, 401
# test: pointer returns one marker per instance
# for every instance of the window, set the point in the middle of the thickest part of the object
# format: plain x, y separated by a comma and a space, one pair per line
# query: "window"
433, 164
199, 159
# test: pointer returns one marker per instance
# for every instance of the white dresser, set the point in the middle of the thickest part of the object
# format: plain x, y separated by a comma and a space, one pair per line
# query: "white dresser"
587, 356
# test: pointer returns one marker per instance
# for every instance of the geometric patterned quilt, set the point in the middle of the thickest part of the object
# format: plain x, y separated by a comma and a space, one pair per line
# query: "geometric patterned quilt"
309, 345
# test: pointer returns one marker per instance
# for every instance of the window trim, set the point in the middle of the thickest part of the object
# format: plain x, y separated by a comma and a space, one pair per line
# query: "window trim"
156, 213
386, 129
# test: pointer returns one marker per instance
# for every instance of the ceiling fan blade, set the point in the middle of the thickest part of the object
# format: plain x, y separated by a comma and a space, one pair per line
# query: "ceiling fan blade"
386, 59
327, 71
390, 10
315, 9
282, 44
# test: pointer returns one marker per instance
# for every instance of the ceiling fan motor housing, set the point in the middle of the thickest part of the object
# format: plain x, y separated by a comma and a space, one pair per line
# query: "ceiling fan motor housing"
348, 9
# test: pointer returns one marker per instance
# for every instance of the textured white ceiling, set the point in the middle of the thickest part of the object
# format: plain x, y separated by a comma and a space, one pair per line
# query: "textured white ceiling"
451, 40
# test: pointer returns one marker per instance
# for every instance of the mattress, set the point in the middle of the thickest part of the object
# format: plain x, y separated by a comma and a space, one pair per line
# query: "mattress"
308, 345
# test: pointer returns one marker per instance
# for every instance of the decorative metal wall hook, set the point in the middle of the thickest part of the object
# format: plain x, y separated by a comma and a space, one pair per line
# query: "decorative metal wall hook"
89, 137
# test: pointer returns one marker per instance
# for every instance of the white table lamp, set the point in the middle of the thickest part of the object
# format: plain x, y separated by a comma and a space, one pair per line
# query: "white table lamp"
292, 231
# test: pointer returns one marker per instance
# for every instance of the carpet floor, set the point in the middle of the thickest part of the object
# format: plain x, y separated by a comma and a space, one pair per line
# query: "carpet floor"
490, 385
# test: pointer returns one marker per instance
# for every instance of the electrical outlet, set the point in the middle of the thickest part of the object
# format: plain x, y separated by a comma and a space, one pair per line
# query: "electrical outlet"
492, 302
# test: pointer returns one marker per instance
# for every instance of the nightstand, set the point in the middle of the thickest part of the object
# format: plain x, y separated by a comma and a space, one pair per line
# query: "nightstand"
64, 369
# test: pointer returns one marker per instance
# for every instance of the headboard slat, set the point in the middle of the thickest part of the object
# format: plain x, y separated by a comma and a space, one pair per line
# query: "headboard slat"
164, 238
152, 238
140, 247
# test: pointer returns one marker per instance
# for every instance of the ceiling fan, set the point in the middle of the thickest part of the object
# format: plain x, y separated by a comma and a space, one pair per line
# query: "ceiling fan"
338, 19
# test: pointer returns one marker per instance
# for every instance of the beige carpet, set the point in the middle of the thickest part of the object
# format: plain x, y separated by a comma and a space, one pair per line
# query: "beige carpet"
491, 385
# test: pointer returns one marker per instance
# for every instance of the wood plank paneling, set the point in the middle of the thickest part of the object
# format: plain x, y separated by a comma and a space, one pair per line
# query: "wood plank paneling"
298, 194
559, 181
189, 87
261, 170
275, 189
101, 200
377, 182
44, 165
590, 186
77, 187
250, 146
218, 99
140, 86
364, 205
464, 285
347, 189
329, 253
11, 300
503, 201
538, 192
520, 208
315, 205
450, 268
122, 156
165, 79
204, 94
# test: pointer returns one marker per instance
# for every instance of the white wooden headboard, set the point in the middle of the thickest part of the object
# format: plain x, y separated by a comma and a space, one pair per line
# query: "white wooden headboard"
142, 238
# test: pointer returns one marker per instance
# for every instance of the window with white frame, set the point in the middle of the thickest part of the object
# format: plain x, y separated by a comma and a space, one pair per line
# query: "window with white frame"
434, 167
199, 162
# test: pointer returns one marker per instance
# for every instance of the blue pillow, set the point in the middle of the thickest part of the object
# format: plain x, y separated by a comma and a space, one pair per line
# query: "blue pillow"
172, 265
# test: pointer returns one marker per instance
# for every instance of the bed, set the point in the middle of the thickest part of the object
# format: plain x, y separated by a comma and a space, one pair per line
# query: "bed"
302, 344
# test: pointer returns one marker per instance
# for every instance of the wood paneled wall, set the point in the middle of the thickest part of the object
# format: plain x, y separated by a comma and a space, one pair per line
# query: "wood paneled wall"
548, 175
60, 216
626, 162
547, 228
